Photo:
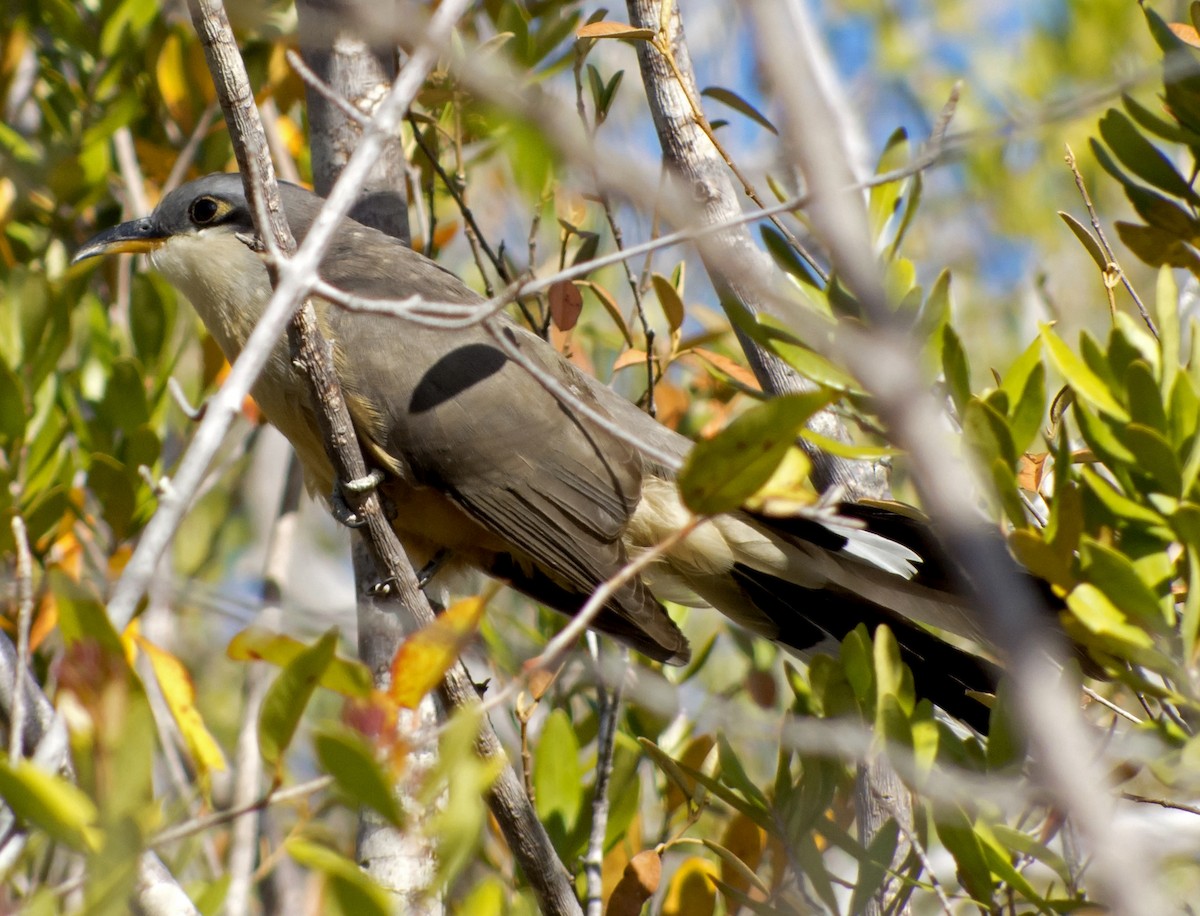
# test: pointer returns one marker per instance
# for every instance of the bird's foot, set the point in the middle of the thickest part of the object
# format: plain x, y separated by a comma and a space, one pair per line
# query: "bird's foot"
337, 499
426, 573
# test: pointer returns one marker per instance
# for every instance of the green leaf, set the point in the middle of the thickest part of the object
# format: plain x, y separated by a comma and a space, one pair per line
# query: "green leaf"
759, 815
1115, 575
785, 256
1090, 245
956, 368
958, 834
815, 367
1142, 157
1144, 396
1166, 309
670, 300
346, 676
723, 472
349, 885
13, 413
934, 313
884, 198
50, 803
987, 431
738, 104
1120, 505
1155, 458
1096, 612
115, 489
1147, 120
856, 656
81, 616
813, 865
557, 777
733, 774
872, 871
350, 760
1083, 381
1157, 247
1020, 842
288, 697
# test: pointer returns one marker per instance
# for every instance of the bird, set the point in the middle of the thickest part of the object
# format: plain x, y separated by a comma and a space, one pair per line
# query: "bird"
487, 469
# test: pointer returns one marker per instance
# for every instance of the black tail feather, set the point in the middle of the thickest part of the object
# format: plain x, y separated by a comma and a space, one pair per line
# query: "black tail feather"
942, 673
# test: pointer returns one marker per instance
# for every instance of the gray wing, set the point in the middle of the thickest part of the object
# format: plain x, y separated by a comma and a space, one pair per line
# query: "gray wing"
472, 424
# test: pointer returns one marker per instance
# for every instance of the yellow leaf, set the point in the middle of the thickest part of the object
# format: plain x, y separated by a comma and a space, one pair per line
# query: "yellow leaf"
607, 29
171, 73
691, 891
428, 654
180, 695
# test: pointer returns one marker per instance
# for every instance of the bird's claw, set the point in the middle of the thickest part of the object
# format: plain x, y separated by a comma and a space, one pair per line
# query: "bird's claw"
341, 509
366, 484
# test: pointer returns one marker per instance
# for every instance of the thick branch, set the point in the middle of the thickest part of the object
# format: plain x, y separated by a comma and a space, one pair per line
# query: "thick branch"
690, 156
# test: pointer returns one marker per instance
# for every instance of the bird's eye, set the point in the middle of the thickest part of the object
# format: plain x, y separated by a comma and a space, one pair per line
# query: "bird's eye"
203, 210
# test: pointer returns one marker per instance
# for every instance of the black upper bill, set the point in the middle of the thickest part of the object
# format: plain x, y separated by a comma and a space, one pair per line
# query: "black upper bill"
137, 236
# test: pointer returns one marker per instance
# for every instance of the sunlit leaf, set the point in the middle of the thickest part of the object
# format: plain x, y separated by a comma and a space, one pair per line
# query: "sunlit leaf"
180, 694
346, 676
425, 657
723, 472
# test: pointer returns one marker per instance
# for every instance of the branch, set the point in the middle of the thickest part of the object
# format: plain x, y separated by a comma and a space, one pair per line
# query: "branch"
691, 154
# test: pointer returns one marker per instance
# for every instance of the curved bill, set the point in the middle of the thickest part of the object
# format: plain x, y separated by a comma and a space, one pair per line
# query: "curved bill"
137, 236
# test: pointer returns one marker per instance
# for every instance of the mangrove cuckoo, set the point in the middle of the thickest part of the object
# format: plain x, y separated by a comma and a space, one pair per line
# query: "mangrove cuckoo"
485, 466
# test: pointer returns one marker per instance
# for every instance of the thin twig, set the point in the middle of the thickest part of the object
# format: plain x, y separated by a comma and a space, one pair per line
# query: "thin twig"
1161, 802
915, 842
555, 651
187, 155
609, 713
1109, 254
200, 824
24, 587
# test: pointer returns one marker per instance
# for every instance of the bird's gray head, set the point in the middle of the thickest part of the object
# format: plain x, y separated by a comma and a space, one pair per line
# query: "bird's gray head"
201, 238
210, 206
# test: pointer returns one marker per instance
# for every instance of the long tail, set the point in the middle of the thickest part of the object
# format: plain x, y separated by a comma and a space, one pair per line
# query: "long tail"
808, 619
807, 581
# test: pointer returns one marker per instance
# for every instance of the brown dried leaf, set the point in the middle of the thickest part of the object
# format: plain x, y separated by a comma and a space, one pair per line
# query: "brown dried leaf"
607, 29
726, 365
566, 304
637, 884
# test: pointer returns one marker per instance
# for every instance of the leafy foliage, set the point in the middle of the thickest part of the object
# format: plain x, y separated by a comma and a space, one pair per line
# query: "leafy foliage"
1088, 439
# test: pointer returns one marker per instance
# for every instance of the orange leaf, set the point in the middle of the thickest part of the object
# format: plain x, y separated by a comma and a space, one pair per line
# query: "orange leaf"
45, 621
427, 655
1186, 33
745, 840
728, 367
606, 29
1030, 471
444, 234
670, 404
629, 358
